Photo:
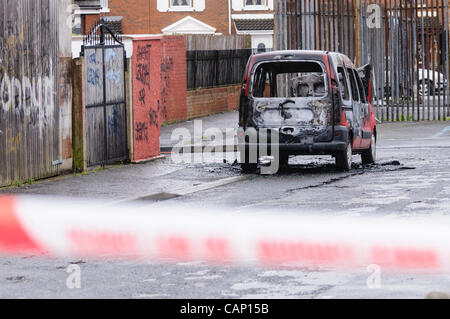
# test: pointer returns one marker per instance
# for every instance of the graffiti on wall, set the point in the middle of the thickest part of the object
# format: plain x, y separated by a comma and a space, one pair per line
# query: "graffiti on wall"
31, 128
13, 141
143, 65
115, 122
166, 70
146, 90
31, 98
141, 131
114, 71
153, 118
142, 97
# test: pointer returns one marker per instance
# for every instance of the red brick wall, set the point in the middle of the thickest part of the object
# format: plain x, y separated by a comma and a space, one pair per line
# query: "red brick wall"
136, 16
159, 90
135, 13
89, 21
143, 17
205, 102
215, 15
146, 95
173, 78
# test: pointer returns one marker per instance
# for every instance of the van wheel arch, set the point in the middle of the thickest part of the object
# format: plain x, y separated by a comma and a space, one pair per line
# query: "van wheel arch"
369, 156
344, 158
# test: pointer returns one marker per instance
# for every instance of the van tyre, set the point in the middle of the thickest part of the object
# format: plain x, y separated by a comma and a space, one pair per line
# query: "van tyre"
344, 159
283, 159
248, 168
370, 156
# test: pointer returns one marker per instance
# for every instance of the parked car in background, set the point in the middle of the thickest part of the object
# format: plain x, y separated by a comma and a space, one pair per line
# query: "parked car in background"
319, 102
431, 81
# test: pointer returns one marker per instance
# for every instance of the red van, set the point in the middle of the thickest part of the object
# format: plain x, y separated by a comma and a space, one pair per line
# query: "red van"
317, 102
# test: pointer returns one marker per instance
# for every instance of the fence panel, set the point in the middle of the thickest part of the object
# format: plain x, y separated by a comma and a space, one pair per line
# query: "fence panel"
407, 42
207, 69
30, 139
203, 42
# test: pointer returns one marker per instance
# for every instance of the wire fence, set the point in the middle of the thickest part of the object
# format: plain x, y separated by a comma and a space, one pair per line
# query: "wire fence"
213, 68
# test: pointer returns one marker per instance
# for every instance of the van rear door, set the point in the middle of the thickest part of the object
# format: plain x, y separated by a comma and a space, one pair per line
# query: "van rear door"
292, 95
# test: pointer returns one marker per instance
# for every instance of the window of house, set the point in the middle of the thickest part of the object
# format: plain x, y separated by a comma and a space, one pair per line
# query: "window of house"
76, 24
105, 5
255, 2
180, 3
261, 48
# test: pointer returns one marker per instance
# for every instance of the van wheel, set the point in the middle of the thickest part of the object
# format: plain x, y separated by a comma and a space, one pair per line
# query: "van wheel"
284, 159
344, 159
370, 156
248, 168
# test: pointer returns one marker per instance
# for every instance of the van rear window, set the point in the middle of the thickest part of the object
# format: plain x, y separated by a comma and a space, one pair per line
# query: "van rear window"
289, 80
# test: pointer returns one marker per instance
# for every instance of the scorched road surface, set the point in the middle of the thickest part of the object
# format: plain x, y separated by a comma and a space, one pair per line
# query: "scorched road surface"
411, 179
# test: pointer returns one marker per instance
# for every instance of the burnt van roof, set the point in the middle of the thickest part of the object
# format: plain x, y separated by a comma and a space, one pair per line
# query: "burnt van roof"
302, 54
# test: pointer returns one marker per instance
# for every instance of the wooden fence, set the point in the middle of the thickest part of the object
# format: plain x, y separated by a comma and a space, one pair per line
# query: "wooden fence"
207, 69
202, 42
30, 141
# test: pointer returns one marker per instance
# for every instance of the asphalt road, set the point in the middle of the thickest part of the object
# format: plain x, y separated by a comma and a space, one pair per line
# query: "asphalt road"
411, 179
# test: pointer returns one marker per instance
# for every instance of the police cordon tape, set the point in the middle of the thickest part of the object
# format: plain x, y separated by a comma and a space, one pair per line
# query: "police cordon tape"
67, 228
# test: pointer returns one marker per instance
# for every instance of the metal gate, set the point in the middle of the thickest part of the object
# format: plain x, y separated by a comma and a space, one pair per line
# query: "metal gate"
106, 128
407, 42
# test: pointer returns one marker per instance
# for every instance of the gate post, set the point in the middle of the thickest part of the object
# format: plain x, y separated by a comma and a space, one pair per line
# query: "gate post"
79, 116
129, 105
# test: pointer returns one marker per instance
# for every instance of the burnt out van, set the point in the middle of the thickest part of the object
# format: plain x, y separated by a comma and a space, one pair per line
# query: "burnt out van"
307, 103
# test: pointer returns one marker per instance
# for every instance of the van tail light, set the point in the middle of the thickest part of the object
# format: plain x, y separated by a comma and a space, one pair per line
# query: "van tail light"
338, 112
336, 105
337, 116
245, 87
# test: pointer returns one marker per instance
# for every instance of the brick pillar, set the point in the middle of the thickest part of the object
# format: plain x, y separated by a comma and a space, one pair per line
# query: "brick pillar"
146, 98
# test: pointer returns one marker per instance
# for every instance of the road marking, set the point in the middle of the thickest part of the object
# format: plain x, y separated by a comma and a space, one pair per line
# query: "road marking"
184, 191
410, 147
207, 186
442, 132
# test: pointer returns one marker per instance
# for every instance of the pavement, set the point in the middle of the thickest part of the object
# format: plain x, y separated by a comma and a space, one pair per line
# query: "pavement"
410, 180
223, 122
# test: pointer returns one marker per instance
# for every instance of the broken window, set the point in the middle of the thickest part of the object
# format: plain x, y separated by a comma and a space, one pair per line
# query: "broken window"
289, 80
343, 84
362, 92
355, 93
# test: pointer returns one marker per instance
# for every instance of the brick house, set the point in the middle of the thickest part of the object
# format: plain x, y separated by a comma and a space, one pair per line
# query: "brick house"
250, 17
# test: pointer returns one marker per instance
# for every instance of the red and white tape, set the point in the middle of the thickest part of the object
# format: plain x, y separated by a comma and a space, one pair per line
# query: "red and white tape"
72, 229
